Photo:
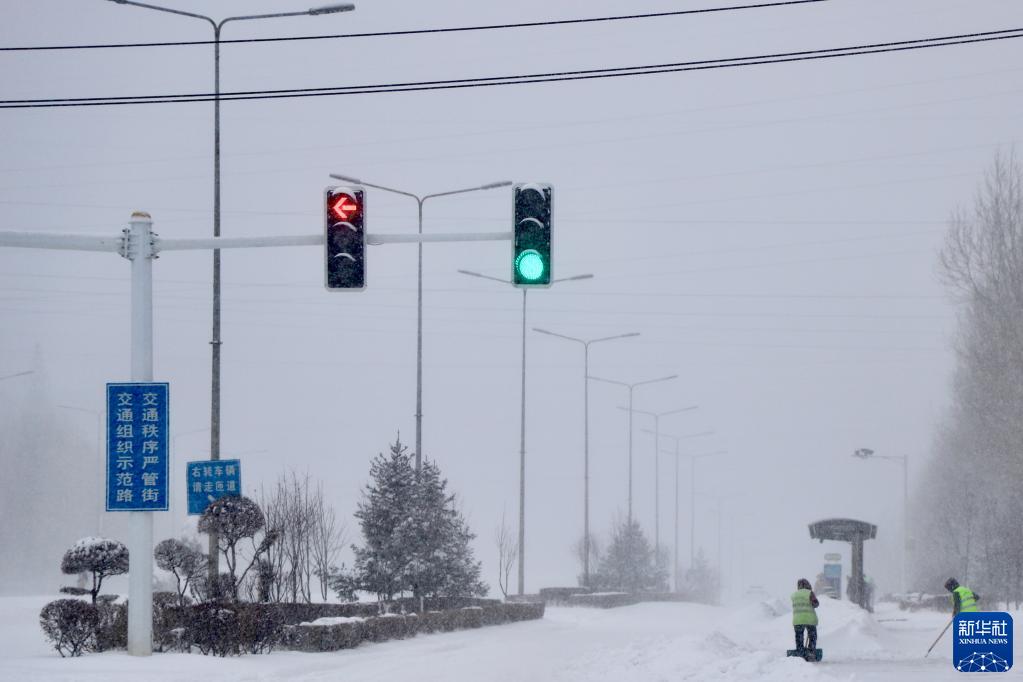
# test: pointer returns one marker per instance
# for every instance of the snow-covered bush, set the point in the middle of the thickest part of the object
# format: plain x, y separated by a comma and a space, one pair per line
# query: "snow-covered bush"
100, 556
70, 624
183, 559
112, 626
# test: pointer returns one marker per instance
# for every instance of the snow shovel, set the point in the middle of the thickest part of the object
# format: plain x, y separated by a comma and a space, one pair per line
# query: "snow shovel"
939, 637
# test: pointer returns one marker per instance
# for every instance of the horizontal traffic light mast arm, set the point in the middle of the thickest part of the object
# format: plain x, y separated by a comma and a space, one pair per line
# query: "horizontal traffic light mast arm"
59, 240
444, 237
317, 240
114, 244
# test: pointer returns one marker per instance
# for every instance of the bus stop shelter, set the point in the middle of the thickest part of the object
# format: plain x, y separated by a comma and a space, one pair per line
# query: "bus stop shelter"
854, 532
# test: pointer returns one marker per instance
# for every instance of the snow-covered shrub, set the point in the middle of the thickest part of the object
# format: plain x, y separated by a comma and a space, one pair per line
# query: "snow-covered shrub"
183, 559
259, 627
100, 556
213, 628
166, 633
70, 624
112, 625
224, 629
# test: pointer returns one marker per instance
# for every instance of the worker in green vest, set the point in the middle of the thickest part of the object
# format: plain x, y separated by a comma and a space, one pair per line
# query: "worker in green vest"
964, 600
804, 618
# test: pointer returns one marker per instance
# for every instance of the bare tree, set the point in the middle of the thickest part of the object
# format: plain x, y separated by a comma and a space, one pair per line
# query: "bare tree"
311, 540
328, 537
507, 554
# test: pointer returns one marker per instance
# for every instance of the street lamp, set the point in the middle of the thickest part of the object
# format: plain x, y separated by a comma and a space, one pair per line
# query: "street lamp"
631, 388
676, 453
586, 436
657, 466
215, 343
867, 453
99, 458
522, 421
419, 288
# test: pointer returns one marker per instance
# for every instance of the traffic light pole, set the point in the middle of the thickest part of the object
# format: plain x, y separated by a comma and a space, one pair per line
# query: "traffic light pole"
140, 245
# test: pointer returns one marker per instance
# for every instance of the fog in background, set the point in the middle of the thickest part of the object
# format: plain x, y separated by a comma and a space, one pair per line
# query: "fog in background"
771, 231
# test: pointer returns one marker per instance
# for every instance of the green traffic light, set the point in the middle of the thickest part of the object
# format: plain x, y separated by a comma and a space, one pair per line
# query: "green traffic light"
530, 265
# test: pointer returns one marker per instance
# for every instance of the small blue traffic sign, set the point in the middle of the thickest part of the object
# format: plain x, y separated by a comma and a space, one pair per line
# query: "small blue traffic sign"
209, 480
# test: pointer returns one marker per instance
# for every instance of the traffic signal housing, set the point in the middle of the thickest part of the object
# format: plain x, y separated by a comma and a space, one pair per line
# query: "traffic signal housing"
344, 238
531, 234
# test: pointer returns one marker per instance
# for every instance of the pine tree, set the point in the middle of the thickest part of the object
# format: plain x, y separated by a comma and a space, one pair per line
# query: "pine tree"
442, 561
381, 564
415, 538
629, 565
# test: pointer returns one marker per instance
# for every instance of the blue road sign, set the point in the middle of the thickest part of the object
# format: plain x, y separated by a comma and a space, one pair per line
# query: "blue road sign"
137, 418
209, 480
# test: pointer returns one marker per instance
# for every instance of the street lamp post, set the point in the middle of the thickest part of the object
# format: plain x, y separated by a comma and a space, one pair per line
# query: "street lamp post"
420, 200
99, 460
657, 467
631, 388
676, 453
867, 453
215, 342
586, 436
522, 422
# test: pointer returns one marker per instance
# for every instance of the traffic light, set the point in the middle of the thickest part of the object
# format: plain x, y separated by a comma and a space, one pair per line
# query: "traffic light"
531, 235
344, 238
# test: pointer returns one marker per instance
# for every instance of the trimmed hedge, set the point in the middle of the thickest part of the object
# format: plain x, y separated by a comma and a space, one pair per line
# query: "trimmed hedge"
561, 595
610, 600
347, 635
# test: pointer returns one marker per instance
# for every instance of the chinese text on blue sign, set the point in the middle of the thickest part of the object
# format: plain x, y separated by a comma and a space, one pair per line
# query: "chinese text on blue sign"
137, 447
210, 480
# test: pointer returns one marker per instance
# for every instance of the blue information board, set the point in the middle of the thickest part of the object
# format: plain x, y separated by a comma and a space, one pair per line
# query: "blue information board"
209, 480
137, 417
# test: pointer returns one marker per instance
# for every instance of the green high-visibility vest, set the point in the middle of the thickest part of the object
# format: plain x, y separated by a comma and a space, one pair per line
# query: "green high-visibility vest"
803, 612
967, 600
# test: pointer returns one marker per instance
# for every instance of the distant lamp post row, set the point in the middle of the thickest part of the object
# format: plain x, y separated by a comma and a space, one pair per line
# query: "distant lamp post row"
522, 423
692, 495
657, 464
586, 434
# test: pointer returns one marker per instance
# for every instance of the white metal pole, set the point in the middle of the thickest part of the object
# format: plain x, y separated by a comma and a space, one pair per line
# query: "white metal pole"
140, 523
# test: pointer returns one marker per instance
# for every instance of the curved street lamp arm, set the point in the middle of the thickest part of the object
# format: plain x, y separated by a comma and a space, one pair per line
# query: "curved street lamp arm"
482, 276
345, 178
168, 10
560, 336
490, 185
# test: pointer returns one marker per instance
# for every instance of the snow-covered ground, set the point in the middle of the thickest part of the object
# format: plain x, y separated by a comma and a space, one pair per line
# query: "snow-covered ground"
642, 643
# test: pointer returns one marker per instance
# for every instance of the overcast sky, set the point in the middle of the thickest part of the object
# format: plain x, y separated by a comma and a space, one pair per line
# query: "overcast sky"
771, 231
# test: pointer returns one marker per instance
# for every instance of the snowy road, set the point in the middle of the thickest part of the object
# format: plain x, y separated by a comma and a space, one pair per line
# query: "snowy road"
644, 643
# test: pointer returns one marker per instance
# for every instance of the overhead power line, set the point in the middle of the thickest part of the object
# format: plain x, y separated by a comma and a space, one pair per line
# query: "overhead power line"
550, 77
424, 31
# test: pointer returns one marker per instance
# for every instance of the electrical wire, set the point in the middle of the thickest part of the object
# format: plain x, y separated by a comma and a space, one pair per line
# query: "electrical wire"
423, 31
549, 77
